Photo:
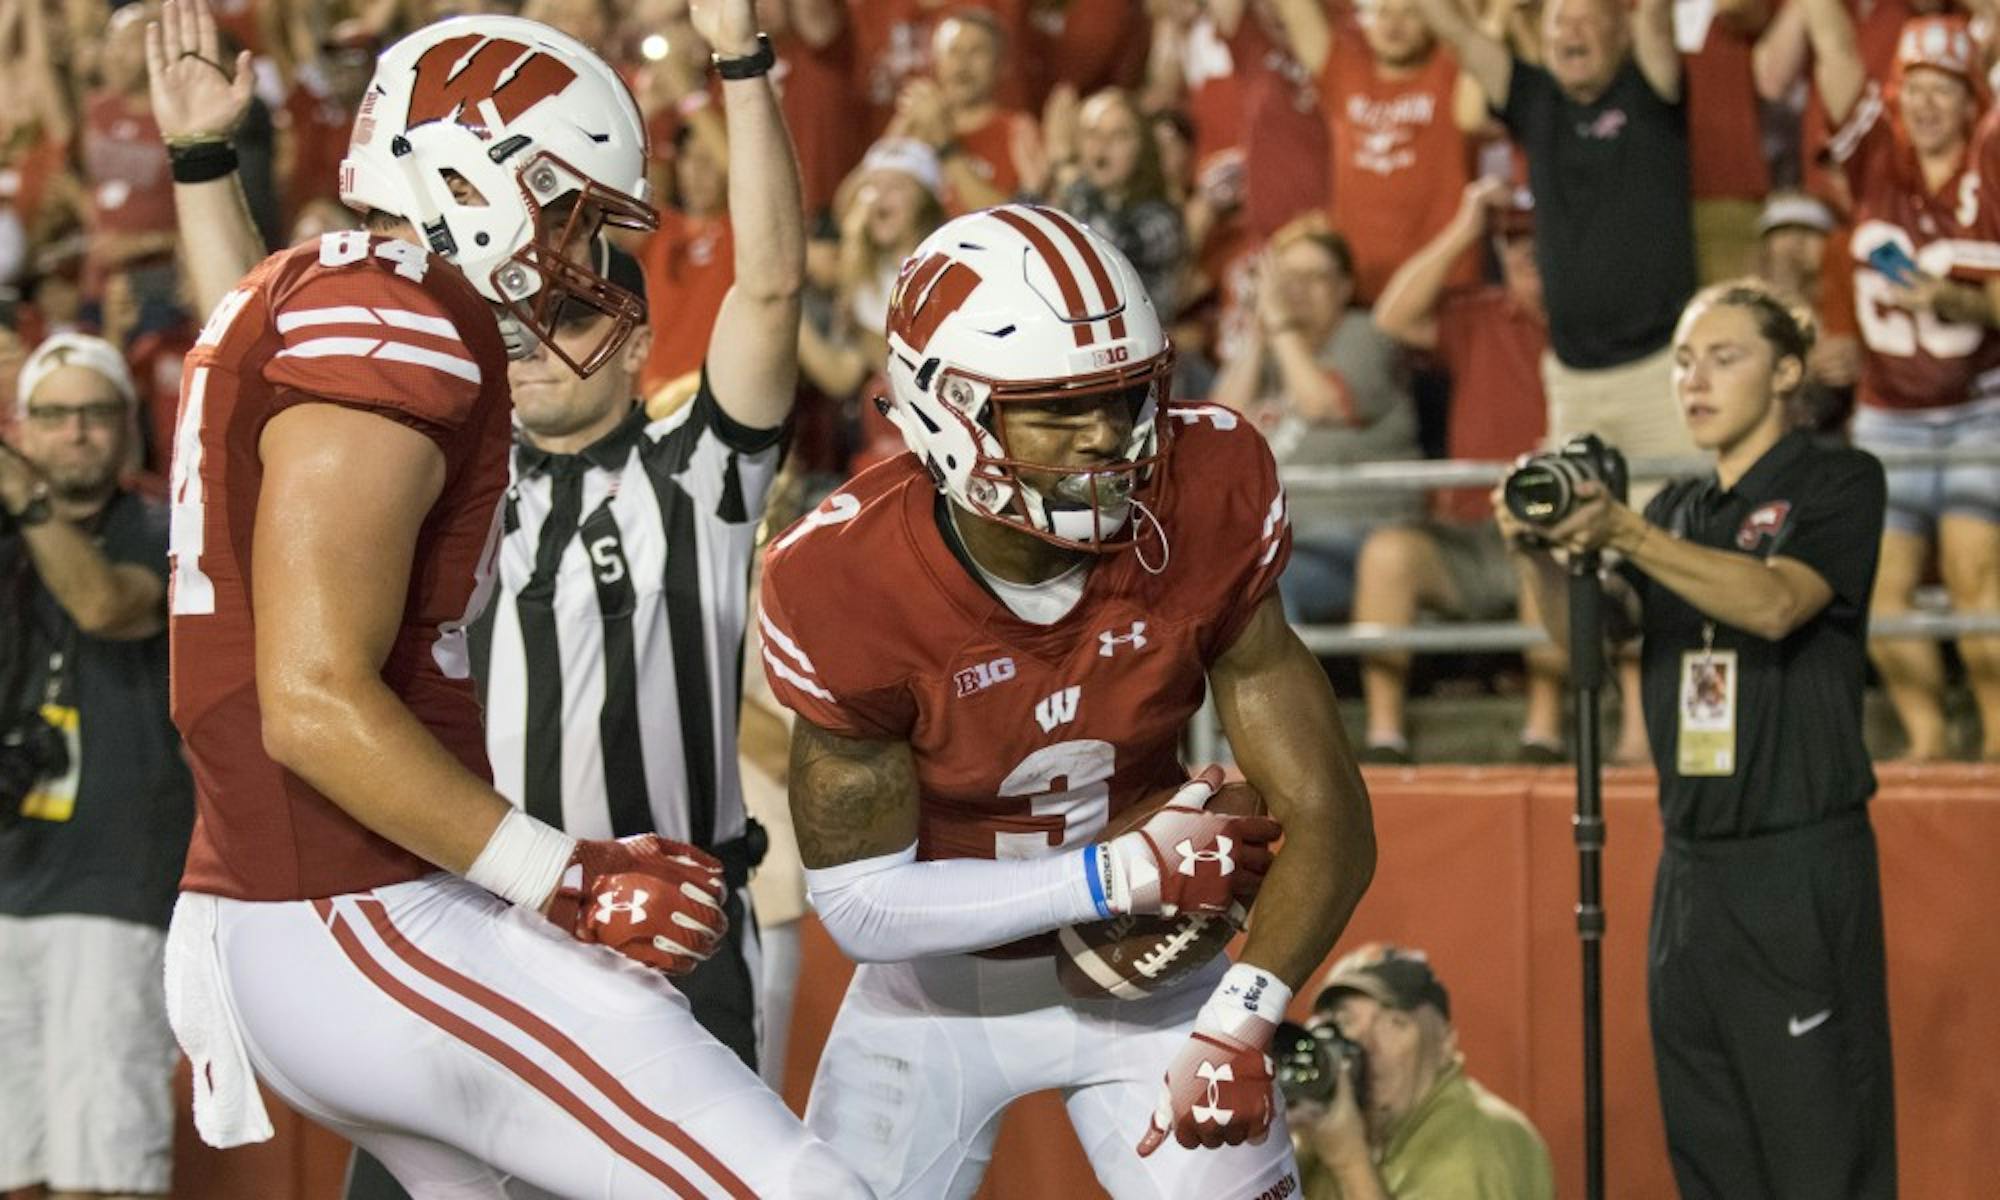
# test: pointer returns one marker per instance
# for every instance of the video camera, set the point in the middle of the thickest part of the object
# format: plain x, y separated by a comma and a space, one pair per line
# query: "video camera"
1542, 488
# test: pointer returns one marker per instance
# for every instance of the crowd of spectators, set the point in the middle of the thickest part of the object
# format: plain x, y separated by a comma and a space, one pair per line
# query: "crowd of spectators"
1383, 229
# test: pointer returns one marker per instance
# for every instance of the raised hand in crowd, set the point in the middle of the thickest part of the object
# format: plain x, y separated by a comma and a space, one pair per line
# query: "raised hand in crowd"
1053, 156
921, 114
195, 95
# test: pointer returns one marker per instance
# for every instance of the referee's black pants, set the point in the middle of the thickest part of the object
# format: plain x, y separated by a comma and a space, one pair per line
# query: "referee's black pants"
722, 993
1770, 1015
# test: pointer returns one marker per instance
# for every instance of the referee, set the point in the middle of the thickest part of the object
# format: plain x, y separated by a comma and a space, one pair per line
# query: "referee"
609, 656
1765, 981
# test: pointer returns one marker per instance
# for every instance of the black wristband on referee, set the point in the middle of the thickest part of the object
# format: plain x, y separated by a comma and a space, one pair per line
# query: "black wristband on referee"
200, 162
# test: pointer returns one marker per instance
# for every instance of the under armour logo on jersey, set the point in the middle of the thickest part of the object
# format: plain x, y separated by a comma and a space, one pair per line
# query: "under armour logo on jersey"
1215, 1075
609, 906
1219, 856
1108, 642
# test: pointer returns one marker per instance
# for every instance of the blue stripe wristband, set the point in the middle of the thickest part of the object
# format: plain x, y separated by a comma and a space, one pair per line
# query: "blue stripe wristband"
1096, 880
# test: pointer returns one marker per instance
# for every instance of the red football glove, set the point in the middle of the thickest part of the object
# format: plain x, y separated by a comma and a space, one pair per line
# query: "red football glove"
654, 901
1219, 1087
1185, 859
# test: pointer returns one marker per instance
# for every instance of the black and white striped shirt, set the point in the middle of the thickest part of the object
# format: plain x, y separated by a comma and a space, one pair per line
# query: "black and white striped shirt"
611, 654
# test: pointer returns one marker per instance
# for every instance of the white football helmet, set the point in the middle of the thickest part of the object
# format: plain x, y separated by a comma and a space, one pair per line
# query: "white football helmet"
533, 120
1024, 304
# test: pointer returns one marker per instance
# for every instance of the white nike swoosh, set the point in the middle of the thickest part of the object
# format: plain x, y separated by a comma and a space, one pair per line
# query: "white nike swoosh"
1800, 1026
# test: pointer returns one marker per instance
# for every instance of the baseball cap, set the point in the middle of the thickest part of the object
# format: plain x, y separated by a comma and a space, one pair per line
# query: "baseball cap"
1940, 43
910, 157
1390, 976
74, 350
1787, 209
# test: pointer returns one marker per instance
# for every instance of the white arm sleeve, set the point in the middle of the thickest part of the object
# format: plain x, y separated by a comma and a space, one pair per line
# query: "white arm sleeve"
891, 908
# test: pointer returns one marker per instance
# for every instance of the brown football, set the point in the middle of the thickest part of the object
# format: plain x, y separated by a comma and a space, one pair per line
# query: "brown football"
1129, 958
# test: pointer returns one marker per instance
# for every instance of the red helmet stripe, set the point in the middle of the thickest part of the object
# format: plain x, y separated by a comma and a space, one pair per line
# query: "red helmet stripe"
1107, 295
1059, 267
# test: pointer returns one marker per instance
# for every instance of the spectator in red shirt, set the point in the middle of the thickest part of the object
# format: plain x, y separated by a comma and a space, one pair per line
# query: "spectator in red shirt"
1399, 160
1725, 141
1491, 341
893, 44
1926, 257
689, 263
814, 42
124, 161
982, 145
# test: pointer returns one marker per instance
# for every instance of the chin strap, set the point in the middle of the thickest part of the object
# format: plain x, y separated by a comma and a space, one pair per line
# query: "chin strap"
1143, 514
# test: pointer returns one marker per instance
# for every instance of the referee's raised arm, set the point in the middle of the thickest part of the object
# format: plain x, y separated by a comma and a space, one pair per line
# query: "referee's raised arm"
753, 350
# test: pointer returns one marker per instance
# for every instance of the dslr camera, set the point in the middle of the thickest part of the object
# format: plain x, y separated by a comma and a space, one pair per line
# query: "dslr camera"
1541, 489
1309, 1058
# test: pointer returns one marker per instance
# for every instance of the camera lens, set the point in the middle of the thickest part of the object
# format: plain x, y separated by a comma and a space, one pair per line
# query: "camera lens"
1541, 491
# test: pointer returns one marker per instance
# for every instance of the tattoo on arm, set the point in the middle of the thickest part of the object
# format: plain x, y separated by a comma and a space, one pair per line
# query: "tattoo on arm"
852, 798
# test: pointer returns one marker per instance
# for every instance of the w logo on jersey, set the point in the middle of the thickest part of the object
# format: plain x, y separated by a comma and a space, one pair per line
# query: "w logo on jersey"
1058, 708
453, 80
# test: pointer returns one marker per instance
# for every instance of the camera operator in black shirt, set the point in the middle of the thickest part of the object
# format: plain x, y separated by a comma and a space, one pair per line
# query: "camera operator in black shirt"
95, 796
1766, 983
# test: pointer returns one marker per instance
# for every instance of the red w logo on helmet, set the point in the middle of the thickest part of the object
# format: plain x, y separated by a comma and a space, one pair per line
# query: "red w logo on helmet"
449, 84
928, 291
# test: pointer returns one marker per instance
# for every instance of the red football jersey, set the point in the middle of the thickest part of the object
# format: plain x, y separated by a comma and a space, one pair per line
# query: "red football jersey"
1399, 162
367, 323
1914, 360
1027, 737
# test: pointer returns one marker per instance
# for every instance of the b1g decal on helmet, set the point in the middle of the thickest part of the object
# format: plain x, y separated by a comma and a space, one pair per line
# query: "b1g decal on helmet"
449, 84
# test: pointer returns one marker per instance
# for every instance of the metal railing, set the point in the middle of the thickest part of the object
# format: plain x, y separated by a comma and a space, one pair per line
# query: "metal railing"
1446, 637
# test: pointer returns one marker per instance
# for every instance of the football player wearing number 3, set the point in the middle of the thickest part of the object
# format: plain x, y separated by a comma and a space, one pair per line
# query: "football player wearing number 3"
994, 644
503, 1023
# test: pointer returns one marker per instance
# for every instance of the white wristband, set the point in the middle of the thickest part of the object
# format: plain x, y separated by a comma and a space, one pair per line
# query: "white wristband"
523, 861
1246, 994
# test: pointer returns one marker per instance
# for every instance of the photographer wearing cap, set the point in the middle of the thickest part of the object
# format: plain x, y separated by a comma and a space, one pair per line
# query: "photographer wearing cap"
1398, 1115
95, 801
1750, 587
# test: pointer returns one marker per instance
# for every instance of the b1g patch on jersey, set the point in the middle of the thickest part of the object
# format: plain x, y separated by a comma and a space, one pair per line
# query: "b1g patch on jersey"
979, 677
1763, 525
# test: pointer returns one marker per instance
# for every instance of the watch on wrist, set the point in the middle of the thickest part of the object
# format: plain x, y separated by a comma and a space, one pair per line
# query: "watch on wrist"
750, 66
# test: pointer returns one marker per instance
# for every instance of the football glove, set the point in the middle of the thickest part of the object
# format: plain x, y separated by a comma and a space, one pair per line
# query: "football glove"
1185, 859
1218, 1089
654, 901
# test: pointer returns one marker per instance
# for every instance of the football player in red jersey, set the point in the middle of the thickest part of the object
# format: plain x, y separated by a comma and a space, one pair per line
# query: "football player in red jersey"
1926, 247
994, 644
341, 447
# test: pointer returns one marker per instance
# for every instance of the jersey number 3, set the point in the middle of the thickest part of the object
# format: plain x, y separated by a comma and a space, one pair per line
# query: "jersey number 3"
1073, 813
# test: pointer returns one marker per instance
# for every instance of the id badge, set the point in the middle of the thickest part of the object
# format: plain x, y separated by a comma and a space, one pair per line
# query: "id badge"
54, 797
1707, 713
